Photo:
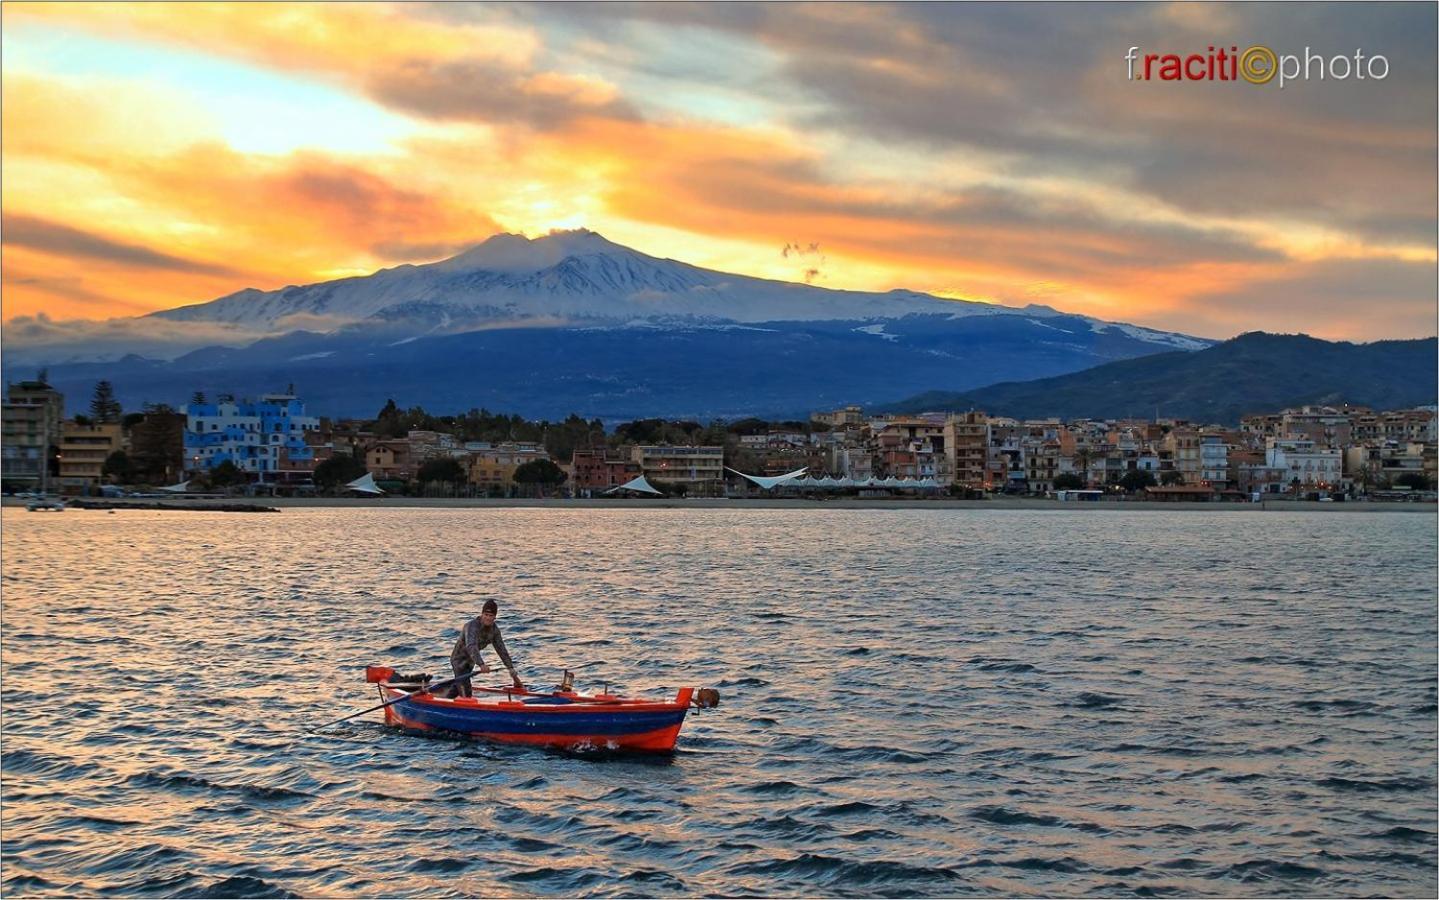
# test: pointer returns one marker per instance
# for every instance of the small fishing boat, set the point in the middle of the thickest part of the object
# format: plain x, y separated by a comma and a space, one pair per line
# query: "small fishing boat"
562, 719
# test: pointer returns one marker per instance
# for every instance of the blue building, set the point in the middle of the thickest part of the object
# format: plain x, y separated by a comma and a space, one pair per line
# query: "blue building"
265, 438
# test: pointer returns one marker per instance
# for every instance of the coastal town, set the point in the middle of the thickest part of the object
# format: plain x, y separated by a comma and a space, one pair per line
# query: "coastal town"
273, 446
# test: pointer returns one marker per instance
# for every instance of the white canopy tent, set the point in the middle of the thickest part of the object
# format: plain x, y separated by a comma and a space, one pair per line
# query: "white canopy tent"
770, 482
365, 484
638, 484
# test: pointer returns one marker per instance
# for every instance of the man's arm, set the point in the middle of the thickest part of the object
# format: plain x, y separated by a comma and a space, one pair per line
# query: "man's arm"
504, 656
472, 641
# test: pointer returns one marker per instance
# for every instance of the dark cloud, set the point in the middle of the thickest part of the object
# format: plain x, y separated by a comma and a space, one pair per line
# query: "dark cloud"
483, 92
1044, 87
63, 240
1053, 236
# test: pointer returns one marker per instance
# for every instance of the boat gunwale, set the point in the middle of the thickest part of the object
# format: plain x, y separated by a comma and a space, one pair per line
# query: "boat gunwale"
577, 704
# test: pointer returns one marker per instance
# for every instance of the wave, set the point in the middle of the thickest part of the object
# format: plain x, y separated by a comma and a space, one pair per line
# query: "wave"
1381, 785
241, 886
190, 783
1000, 815
828, 871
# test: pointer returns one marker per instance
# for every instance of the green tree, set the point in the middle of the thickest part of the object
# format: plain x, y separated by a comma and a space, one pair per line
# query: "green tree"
338, 470
157, 445
750, 426
1416, 480
670, 488
390, 421
1067, 481
446, 470
1171, 477
117, 468
104, 408
539, 471
197, 397
1137, 480
226, 474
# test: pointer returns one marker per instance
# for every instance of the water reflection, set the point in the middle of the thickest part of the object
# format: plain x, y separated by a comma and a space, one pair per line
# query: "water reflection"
933, 703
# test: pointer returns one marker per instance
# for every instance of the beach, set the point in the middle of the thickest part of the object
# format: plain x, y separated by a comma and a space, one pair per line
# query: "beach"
1007, 503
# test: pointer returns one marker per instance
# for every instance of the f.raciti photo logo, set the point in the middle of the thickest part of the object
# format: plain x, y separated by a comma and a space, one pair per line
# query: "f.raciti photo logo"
1256, 64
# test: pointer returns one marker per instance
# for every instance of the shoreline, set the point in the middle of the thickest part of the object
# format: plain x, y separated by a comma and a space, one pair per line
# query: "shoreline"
756, 503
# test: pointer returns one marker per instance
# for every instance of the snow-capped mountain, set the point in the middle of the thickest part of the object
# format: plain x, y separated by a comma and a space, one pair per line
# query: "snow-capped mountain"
578, 278
574, 323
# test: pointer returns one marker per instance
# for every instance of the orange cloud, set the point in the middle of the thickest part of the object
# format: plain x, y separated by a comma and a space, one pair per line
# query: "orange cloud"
183, 222
1136, 231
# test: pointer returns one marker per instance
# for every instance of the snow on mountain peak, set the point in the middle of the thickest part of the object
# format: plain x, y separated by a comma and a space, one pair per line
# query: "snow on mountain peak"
578, 277
517, 254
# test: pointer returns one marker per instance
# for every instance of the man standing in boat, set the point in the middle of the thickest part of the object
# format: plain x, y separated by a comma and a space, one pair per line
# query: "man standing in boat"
479, 633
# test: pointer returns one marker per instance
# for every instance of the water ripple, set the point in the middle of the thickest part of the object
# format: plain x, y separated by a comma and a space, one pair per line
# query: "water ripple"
916, 703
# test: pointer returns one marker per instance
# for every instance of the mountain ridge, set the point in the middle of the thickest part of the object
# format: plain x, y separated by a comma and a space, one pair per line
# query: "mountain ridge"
1254, 372
581, 278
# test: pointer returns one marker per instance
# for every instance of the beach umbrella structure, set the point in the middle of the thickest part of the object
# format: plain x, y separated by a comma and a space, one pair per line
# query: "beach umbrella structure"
365, 484
637, 484
770, 482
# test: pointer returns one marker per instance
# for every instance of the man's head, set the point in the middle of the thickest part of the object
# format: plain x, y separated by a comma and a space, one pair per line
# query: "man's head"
488, 613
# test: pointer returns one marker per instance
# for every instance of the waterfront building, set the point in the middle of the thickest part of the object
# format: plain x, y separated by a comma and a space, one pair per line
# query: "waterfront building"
1381, 465
784, 459
699, 469
966, 448
390, 461
491, 467
1213, 460
898, 462
1106, 467
83, 451
32, 416
597, 470
266, 439
1305, 464
1183, 447
1005, 468
856, 463
1042, 461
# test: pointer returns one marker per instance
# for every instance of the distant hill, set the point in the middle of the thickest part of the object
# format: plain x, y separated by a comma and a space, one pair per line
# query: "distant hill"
1255, 372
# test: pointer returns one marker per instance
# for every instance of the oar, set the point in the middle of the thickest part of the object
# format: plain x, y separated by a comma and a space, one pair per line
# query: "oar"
424, 690
429, 688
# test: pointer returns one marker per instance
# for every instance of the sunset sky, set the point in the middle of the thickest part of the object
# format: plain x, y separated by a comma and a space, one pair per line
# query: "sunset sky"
157, 155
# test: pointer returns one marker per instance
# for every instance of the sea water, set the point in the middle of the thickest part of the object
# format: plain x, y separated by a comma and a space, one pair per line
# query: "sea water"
946, 702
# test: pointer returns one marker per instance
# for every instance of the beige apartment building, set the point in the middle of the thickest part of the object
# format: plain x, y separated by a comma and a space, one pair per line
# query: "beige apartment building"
1183, 445
83, 451
699, 469
966, 449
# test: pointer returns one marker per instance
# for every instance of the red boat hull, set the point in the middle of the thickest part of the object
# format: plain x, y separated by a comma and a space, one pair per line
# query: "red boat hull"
560, 721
